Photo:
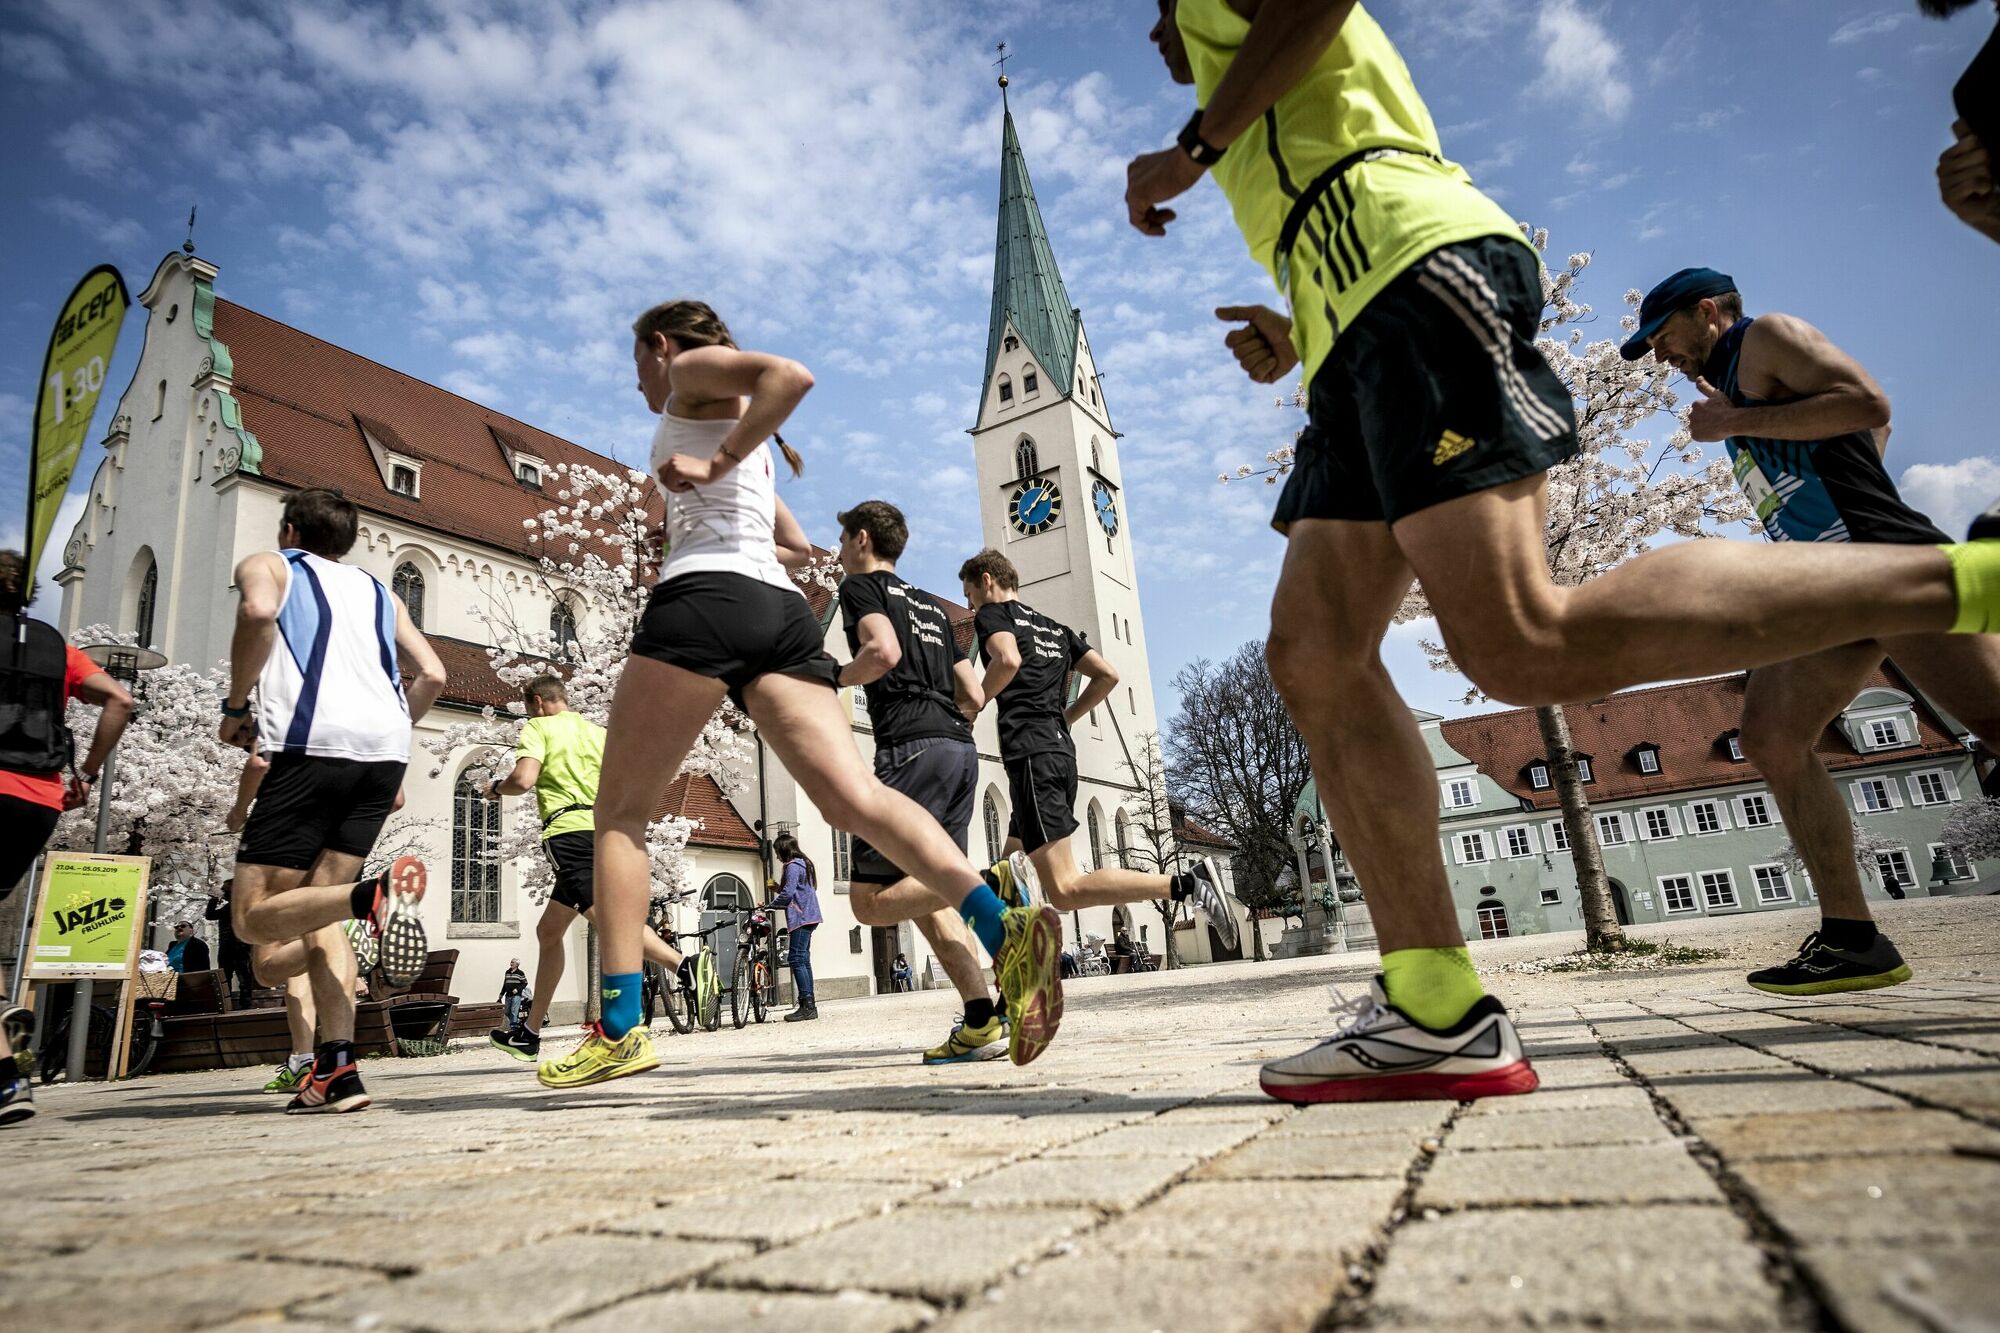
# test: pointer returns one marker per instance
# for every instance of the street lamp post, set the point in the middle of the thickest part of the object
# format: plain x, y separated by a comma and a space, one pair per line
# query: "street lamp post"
122, 662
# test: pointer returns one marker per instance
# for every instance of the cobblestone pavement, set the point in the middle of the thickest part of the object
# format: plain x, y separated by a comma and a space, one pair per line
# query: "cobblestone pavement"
1700, 1156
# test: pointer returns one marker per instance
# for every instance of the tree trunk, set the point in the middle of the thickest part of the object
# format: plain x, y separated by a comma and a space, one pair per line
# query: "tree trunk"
593, 980
1602, 933
1256, 938
1170, 954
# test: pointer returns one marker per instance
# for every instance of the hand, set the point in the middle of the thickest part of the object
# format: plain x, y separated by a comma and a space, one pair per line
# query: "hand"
1712, 418
1152, 179
682, 473
1965, 182
240, 732
76, 791
1263, 346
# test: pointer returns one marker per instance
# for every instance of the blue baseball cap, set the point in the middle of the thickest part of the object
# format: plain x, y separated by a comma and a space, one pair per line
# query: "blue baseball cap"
1680, 291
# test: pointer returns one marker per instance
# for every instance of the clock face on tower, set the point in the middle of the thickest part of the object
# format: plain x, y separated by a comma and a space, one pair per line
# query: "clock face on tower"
1035, 507
1106, 505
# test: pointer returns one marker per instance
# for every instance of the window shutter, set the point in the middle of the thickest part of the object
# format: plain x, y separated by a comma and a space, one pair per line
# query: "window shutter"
1458, 850
1549, 838
1895, 796
1916, 791
1642, 826
1860, 801
1950, 785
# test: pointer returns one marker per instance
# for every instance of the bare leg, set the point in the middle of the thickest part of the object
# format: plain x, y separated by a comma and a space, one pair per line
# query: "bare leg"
1690, 609
550, 934
1961, 672
1339, 589
1785, 708
301, 1015
1070, 890
262, 908
950, 939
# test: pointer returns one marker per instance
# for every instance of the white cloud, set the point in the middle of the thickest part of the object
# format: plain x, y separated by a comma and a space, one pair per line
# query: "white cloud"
118, 233
96, 147
1868, 25
1951, 493
34, 56
1579, 59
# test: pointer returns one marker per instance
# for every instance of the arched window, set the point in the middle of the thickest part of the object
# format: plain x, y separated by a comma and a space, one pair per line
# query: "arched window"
989, 817
1122, 831
1096, 457
1026, 462
408, 584
562, 627
149, 596
475, 870
1492, 921
1006, 390
1031, 384
725, 893
1096, 839
843, 857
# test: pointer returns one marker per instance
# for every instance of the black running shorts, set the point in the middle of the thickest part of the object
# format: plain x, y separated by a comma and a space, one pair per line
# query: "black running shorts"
24, 830
309, 804
1043, 787
938, 773
574, 856
733, 628
1434, 392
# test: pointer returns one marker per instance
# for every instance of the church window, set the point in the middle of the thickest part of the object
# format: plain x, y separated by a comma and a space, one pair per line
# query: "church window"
403, 480
1131, 702
1093, 395
1123, 833
149, 597
989, 818
1031, 384
1006, 390
562, 628
1096, 457
1026, 462
1096, 840
475, 871
408, 584
1010, 343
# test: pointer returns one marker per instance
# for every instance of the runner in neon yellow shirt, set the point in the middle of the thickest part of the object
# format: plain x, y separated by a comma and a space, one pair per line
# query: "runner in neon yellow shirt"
1432, 418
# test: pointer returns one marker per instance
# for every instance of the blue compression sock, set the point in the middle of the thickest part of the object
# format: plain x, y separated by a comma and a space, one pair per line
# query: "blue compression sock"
620, 1003
981, 910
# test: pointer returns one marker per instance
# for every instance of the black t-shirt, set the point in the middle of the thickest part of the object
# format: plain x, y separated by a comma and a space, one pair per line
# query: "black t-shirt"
1031, 707
914, 699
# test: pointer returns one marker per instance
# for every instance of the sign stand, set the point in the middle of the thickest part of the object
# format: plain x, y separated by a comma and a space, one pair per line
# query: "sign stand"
88, 911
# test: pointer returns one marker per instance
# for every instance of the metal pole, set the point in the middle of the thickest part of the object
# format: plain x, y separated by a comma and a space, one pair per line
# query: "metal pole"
79, 1013
17, 981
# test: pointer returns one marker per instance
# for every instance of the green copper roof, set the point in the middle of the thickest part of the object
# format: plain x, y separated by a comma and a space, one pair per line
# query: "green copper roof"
1027, 288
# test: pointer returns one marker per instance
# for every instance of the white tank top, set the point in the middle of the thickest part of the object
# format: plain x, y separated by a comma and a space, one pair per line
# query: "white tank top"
729, 525
331, 687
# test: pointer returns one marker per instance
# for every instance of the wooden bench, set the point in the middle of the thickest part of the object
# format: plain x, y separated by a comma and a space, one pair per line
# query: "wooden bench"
260, 1036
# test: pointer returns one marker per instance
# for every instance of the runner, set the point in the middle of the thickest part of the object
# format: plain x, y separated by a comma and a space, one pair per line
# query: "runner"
1028, 660
39, 777
1430, 424
1807, 428
725, 618
332, 716
921, 693
559, 753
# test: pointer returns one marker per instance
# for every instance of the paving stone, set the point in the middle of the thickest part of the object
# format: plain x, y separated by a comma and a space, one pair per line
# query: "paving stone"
1316, 1157
1839, 1133
1367, 1118
1752, 1093
1559, 1129
1100, 1182
770, 1212
1921, 1290
566, 1276
1578, 1071
1844, 1052
1329, 1221
1640, 1173
1975, 1093
1114, 1295
1156, 1138
905, 1253
1260, 1110
1704, 1059
700, 1308
175, 1294
1587, 1266
1903, 1199
1629, 1096
402, 1244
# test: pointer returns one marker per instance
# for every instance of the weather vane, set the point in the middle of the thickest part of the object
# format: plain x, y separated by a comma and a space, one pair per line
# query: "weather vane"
1005, 56
187, 246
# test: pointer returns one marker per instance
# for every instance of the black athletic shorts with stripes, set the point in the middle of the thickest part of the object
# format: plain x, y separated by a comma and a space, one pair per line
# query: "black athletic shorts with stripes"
1435, 391
1044, 790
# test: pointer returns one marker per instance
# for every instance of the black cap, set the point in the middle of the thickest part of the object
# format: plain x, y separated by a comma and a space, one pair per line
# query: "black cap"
1680, 291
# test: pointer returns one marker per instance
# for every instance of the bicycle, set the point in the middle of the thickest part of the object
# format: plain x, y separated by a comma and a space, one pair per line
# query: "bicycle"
752, 986
145, 1038
673, 994
695, 988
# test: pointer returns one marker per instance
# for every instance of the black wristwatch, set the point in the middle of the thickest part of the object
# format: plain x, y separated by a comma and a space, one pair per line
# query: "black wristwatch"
1204, 153
227, 711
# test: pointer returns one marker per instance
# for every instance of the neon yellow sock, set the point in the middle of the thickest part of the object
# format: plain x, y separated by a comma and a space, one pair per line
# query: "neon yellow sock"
1433, 986
1975, 574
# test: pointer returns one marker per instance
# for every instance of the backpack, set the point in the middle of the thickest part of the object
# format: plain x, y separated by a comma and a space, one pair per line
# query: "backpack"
34, 662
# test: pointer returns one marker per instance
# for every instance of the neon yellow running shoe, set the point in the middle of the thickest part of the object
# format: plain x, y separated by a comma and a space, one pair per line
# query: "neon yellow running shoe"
1013, 881
288, 1077
1030, 976
598, 1059
968, 1043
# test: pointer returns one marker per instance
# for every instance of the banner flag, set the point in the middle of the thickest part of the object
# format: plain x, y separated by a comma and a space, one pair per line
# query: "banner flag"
66, 398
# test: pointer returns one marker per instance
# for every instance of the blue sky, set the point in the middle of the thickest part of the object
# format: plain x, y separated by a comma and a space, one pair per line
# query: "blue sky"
484, 194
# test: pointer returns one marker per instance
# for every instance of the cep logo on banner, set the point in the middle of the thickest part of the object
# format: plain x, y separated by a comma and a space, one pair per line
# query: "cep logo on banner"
66, 399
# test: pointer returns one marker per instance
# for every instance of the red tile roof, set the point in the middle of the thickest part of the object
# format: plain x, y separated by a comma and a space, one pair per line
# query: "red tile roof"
1198, 835
1686, 720
699, 799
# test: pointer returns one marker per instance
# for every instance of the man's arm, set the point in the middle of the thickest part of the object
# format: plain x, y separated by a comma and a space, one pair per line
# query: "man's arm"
423, 691
965, 688
1791, 359
877, 654
100, 689
1003, 663
520, 781
1103, 679
252, 777
259, 593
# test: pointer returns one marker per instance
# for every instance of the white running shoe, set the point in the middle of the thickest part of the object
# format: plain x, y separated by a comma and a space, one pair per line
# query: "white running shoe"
1027, 883
1204, 884
1380, 1054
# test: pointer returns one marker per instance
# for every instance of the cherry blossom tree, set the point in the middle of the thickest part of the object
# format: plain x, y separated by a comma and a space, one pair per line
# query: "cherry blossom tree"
1973, 830
1621, 495
1867, 842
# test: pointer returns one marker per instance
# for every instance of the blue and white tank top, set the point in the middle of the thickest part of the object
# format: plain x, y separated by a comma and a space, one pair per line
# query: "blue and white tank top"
331, 687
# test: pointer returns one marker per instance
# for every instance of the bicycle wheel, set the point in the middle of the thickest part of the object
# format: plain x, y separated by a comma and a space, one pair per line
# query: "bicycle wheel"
739, 988
760, 989
54, 1063
147, 1033
650, 990
708, 990
678, 1000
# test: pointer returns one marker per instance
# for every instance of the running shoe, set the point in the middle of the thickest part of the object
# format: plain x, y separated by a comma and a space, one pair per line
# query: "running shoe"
361, 938
1203, 884
338, 1091
1013, 881
969, 1043
17, 1099
289, 1077
397, 921
1381, 1054
599, 1058
1820, 969
19, 1025
517, 1041
1029, 971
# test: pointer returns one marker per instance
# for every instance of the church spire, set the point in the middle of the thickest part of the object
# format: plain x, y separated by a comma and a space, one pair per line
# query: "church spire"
1027, 287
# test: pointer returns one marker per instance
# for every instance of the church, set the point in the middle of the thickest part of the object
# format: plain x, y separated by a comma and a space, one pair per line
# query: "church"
230, 410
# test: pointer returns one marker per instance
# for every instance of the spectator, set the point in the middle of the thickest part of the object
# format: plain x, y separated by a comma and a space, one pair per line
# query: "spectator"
231, 953
189, 951
798, 894
899, 971
514, 991
1965, 171
1121, 947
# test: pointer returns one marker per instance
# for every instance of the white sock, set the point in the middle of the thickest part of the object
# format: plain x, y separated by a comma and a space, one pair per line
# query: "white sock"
298, 1062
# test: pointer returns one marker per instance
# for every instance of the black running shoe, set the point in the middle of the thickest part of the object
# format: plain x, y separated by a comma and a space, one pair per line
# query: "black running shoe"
518, 1042
340, 1090
17, 1100
1203, 885
1820, 970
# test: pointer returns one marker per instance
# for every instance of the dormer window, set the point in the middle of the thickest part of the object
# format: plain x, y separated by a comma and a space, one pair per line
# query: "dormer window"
1538, 776
1732, 741
1583, 772
529, 474
403, 479
1647, 756
1885, 733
